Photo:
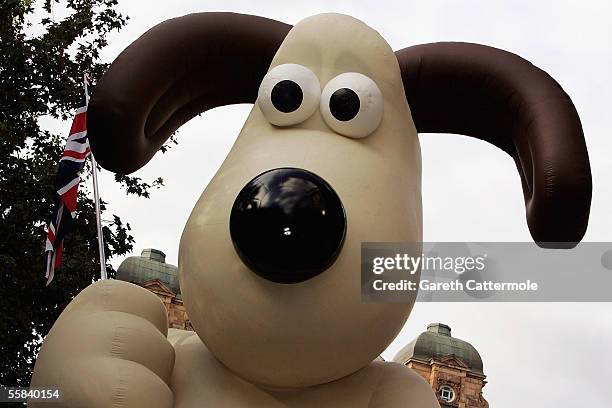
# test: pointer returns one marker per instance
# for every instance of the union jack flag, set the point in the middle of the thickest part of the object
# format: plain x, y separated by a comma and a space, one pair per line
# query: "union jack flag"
67, 185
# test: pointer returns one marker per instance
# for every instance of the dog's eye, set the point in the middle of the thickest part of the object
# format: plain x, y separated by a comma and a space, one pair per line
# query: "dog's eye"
352, 105
289, 94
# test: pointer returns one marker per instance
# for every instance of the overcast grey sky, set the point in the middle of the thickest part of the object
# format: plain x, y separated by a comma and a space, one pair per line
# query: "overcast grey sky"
535, 355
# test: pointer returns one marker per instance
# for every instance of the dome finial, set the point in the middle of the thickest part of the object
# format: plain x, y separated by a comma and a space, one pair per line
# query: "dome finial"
439, 328
154, 255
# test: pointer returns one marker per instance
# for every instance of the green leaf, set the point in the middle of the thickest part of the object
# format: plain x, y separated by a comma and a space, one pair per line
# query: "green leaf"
41, 76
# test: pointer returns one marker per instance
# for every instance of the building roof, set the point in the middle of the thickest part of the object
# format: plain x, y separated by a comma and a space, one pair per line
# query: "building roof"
151, 264
436, 343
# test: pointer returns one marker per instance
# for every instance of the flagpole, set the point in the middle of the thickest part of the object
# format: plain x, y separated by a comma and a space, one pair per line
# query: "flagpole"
94, 172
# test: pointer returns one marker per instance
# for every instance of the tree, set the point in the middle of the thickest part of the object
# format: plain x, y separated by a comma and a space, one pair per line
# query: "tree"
41, 74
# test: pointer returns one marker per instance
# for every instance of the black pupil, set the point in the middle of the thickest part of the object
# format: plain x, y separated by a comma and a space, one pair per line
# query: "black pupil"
286, 96
344, 104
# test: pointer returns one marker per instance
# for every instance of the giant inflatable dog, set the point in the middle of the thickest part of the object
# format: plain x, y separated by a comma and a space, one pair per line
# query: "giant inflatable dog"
270, 257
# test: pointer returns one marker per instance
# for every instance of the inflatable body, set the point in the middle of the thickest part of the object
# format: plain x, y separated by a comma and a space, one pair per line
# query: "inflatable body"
269, 261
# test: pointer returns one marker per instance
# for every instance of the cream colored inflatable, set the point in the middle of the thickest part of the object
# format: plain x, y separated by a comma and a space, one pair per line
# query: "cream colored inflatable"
275, 300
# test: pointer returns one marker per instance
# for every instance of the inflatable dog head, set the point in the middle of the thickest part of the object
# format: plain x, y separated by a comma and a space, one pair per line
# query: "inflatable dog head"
328, 158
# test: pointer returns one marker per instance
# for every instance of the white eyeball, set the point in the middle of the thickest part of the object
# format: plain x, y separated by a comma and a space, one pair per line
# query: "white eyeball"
289, 94
352, 105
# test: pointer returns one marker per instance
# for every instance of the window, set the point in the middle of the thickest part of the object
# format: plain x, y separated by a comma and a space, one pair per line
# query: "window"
446, 393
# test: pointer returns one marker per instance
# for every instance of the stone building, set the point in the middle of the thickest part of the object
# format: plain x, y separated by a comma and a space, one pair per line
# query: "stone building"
452, 366
151, 271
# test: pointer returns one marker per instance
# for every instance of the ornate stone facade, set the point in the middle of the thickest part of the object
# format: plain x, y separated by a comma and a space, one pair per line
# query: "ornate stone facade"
452, 366
177, 315
151, 271
452, 372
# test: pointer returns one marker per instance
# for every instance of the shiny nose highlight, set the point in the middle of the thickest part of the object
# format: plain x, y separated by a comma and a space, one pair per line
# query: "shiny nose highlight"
288, 225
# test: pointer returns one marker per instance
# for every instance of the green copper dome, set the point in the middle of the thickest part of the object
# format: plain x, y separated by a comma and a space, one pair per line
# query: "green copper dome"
437, 342
151, 264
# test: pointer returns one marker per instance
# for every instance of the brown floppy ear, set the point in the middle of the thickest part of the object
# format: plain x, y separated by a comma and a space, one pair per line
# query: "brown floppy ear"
174, 71
497, 96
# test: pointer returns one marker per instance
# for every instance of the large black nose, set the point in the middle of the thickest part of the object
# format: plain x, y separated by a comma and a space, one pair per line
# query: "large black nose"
288, 225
